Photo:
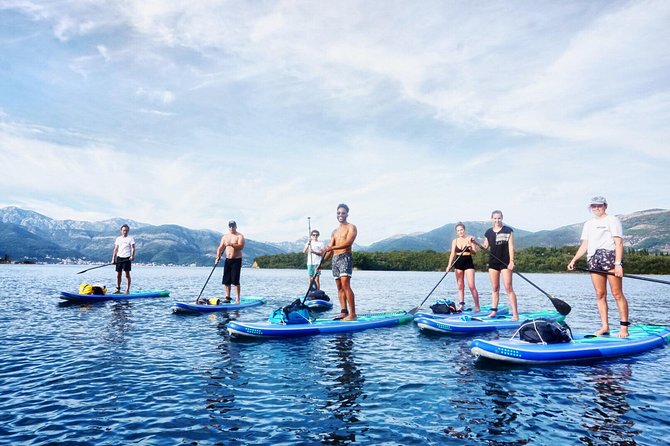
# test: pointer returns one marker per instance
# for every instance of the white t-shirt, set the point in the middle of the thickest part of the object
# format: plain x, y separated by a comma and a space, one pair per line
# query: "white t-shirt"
125, 245
313, 258
600, 233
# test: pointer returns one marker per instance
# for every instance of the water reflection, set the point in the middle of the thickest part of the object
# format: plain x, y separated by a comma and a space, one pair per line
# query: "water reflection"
120, 323
605, 419
344, 391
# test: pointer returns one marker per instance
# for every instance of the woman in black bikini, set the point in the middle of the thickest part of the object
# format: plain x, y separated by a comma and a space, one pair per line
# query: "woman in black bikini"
464, 267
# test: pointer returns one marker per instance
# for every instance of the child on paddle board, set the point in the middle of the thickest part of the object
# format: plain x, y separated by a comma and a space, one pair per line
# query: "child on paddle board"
602, 241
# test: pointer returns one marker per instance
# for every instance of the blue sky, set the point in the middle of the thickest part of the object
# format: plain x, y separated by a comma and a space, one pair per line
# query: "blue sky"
416, 114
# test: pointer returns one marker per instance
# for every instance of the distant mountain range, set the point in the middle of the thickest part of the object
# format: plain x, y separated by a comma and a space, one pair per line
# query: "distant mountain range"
28, 235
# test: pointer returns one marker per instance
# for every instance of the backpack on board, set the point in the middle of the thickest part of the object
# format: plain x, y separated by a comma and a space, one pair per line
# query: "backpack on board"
294, 313
317, 295
544, 331
86, 288
444, 306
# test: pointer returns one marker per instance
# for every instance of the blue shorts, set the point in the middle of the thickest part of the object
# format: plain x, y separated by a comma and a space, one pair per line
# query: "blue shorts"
343, 265
311, 269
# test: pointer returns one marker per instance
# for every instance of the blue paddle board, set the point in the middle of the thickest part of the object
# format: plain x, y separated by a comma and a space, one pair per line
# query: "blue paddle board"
484, 311
465, 325
318, 326
584, 347
88, 298
319, 304
189, 307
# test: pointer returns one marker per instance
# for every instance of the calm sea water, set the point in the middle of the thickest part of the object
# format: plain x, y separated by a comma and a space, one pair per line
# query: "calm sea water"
135, 373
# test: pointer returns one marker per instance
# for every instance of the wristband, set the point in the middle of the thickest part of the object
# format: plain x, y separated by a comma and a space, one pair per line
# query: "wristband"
618, 263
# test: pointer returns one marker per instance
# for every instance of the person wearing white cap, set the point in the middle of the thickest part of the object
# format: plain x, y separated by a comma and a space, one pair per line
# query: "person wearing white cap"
602, 241
232, 244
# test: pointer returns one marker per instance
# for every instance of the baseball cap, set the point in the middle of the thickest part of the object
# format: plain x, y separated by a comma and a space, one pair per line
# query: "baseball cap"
598, 200
232, 224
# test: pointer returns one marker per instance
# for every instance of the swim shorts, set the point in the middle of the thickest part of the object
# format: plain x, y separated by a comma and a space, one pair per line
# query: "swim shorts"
231, 271
343, 265
602, 260
122, 264
311, 269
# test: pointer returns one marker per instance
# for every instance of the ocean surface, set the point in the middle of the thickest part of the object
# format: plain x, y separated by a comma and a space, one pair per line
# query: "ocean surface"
133, 372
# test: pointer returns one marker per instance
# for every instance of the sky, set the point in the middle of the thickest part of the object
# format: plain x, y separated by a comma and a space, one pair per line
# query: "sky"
415, 114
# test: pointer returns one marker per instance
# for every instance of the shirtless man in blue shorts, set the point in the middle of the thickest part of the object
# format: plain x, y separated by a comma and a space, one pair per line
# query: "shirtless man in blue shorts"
339, 247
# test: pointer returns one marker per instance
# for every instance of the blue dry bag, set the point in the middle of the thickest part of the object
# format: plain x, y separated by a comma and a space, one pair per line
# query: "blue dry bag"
295, 313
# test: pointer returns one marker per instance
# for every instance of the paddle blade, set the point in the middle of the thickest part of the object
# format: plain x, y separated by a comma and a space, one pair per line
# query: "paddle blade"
561, 306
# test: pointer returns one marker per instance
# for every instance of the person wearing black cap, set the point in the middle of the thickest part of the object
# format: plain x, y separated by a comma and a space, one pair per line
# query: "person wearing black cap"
602, 241
232, 245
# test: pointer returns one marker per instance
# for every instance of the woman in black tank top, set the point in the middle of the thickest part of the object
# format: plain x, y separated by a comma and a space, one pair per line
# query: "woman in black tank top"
464, 266
499, 240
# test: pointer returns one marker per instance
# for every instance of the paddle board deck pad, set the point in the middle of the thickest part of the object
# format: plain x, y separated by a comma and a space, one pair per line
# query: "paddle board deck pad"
485, 311
319, 304
584, 347
318, 326
189, 307
465, 324
87, 298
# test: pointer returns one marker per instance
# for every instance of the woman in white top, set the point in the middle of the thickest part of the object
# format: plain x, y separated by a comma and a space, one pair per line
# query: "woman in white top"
602, 241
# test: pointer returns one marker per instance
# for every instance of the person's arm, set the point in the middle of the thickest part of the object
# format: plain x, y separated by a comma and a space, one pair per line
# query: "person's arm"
453, 253
472, 244
132, 251
220, 249
116, 249
239, 245
485, 243
329, 248
510, 246
618, 256
580, 252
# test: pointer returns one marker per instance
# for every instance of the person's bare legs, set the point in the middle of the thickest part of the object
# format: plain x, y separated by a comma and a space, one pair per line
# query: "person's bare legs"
127, 282
507, 282
470, 276
345, 281
238, 292
621, 303
494, 277
600, 286
461, 288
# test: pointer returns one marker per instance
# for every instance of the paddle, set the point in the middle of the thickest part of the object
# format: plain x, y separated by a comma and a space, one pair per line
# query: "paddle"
561, 306
630, 276
311, 282
415, 309
100, 266
206, 281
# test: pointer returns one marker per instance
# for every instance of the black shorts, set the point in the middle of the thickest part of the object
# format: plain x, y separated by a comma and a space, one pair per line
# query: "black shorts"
496, 265
231, 271
122, 264
464, 262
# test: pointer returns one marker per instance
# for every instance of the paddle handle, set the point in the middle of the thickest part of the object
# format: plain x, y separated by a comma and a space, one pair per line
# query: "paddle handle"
99, 266
630, 276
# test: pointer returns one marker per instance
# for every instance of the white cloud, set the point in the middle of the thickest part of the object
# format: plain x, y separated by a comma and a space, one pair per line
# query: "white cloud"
267, 112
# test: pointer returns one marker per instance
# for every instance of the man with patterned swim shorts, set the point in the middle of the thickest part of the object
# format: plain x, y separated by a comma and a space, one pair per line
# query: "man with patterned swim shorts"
339, 247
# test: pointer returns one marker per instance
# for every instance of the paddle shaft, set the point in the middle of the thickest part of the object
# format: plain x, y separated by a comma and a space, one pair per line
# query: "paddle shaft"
206, 281
311, 282
415, 309
561, 306
629, 276
100, 266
